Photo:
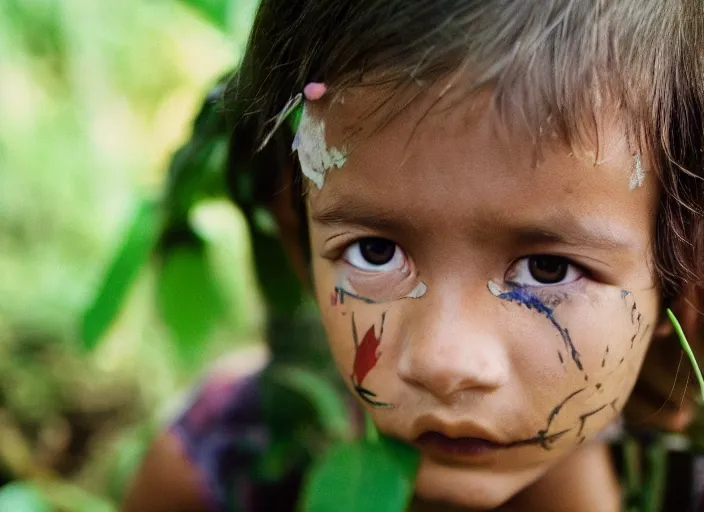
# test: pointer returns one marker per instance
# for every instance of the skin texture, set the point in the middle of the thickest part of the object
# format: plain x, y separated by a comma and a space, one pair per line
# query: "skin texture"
166, 481
465, 201
661, 398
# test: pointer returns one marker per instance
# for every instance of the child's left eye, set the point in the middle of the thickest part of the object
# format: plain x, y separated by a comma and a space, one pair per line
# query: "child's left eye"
544, 270
375, 255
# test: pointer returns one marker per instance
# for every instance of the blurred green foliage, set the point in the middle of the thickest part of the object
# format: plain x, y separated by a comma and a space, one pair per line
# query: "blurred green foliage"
126, 271
94, 99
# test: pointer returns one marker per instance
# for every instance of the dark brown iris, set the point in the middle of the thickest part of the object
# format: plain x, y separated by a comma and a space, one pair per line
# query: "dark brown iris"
377, 251
548, 269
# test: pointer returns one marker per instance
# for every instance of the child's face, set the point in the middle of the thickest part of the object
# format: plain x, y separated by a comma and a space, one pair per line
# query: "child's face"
540, 298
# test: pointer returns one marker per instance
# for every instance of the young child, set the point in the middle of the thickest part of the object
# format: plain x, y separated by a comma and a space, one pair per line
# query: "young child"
499, 201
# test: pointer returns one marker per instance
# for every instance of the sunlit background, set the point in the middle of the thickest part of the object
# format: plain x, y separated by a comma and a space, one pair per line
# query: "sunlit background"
95, 96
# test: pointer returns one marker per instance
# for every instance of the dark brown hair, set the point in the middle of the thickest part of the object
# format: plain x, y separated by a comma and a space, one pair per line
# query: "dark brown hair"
552, 63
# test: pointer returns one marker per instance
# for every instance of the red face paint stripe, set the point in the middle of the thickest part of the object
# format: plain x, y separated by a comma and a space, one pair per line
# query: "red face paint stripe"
366, 356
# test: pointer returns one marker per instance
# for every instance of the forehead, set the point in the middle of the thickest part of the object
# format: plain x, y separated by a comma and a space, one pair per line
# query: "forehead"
451, 162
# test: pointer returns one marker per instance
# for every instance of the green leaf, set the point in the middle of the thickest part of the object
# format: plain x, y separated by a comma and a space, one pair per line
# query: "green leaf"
197, 169
189, 299
215, 11
140, 239
22, 497
322, 395
283, 292
361, 476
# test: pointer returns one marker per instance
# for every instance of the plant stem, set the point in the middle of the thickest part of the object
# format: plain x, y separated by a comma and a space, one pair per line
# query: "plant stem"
688, 351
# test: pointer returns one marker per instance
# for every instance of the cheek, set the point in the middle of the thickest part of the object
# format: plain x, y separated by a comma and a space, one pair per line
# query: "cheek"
361, 339
611, 332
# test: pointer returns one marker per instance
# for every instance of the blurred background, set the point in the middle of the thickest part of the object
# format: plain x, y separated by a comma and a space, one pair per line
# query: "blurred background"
95, 97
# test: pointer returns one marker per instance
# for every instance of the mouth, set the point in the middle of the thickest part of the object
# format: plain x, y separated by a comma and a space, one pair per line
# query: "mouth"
441, 446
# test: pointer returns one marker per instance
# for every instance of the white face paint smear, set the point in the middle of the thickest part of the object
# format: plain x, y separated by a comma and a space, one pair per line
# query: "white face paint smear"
313, 152
418, 291
494, 289
638, 174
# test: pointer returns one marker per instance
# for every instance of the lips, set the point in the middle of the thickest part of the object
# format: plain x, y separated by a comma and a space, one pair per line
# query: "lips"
456, 447
466, 440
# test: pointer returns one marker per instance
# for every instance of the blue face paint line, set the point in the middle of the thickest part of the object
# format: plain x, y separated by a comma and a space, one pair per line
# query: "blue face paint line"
625, 293
522, 295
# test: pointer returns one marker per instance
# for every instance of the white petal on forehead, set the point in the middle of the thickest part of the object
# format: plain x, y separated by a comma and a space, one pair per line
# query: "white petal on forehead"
313, 152
638, 174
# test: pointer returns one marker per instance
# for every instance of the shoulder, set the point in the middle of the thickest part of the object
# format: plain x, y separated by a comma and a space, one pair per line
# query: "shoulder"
222, 432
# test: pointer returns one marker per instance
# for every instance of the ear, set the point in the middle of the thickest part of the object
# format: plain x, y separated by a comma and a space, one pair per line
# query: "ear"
291, 224
689, 310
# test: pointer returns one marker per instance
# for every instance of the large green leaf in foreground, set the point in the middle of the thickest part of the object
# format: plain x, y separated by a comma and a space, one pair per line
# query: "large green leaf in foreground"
189, 299
215, 11
22, 497
140, 239
361, 477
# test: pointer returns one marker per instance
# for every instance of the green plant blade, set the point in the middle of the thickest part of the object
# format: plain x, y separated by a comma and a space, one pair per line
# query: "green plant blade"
321, 394
688, 351
189, 299
215, 11
138, 243
22, 497
360, 476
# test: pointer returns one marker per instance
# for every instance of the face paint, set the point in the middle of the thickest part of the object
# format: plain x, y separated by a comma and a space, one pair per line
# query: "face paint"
638, 174
418, 291
313, 152
544, 437
340, 293
366, 356
636, 317
522, 295
373, 289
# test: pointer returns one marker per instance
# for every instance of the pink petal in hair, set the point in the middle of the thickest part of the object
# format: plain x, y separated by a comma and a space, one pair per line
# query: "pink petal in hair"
314, 91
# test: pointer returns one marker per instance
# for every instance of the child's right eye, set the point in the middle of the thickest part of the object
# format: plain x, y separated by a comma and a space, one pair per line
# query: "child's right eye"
374, 254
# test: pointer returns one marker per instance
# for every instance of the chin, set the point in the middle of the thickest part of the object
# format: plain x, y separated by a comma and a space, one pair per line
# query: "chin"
474, 488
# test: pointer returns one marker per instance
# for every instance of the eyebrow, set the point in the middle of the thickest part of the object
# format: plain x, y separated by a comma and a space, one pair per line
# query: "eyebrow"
573, 234
373, 217
563, 229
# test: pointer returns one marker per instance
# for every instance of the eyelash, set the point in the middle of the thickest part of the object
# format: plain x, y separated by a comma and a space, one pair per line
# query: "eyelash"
351, 254
573, 271
353, 251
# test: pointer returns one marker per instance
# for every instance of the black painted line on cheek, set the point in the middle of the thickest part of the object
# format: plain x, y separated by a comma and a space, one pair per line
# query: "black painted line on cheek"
547, 439
543, 438
613, 404
584, 417
559, 354
342, 293
355, 338
556, 410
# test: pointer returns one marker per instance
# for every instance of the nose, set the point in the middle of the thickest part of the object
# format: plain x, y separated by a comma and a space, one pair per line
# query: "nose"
453, 344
